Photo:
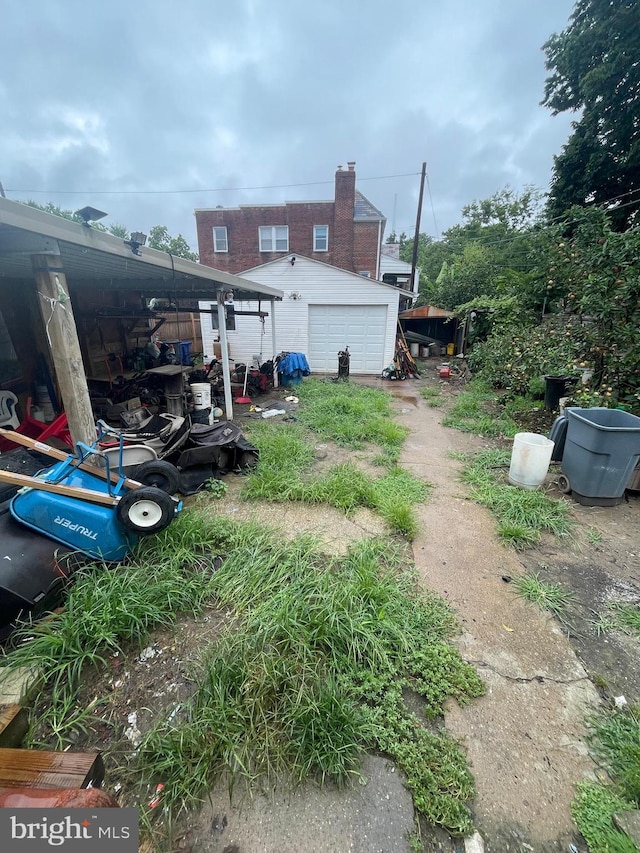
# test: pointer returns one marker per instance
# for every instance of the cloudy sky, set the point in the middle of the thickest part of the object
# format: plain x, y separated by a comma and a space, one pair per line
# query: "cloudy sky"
148, 110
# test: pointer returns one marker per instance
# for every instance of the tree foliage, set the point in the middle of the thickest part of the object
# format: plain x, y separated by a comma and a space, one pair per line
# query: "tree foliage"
595, 68
159, 238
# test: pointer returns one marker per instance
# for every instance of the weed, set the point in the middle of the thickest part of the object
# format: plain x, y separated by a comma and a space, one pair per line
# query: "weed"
615, 739
432, 396
349, 414
216, 488
475, 411
282, 475
622, 617
593, 811
548, 596
312, 674
521, 514
594, 536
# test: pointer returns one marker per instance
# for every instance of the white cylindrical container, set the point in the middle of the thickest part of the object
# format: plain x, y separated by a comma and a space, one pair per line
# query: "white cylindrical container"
415, 349
44, 402
201, 393
530, 460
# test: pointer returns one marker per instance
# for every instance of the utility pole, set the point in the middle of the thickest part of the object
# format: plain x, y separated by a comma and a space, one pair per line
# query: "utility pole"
414, 258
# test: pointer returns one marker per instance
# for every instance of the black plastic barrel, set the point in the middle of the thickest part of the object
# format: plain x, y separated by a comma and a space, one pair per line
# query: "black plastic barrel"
555, 387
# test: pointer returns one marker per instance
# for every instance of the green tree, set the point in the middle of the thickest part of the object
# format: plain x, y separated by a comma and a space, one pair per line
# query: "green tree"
595, 69
115, 229
159, 238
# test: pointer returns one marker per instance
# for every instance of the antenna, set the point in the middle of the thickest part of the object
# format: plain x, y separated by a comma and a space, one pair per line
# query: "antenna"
393, 219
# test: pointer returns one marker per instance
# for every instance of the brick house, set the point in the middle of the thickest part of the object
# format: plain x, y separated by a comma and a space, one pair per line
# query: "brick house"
345, 233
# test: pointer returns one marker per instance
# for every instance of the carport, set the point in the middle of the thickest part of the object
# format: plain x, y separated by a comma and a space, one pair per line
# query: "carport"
52, 270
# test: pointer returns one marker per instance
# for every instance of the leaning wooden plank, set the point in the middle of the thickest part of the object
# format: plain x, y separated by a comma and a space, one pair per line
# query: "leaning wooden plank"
34, 768
58, 488
54, 453
14, 725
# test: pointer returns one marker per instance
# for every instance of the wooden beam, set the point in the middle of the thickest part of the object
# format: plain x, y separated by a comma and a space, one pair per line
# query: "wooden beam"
62, 335
35, 768
58, 488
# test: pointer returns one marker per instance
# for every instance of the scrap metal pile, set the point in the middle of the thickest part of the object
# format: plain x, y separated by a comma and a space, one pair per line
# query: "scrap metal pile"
404, 365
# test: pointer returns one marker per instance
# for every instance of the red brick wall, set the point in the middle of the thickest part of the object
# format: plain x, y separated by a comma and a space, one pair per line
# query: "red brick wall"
365, 247
352, 245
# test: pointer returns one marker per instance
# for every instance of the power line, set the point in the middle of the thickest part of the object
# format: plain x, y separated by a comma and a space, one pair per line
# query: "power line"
203, 190
485, 241
433, 209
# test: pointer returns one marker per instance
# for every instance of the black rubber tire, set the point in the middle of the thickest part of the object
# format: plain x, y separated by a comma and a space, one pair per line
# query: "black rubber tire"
563, 484
158, 473
145, 510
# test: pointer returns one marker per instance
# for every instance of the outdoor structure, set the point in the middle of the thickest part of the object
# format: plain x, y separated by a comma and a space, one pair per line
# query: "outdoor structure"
71, 296
345, 233
324, 310
430, 324
395, 271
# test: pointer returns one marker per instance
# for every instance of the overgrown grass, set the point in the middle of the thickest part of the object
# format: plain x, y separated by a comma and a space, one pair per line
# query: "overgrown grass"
313, 674
286, 454
432, 396
547, 596
349, 414
308, 674
521, 514
475, 410
106, 609
616, 741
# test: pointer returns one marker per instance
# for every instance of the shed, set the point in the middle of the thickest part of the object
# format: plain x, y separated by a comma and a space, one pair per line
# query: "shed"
62, 281
324, 310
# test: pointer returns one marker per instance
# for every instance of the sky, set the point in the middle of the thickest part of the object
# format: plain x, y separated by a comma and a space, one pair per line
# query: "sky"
149, 110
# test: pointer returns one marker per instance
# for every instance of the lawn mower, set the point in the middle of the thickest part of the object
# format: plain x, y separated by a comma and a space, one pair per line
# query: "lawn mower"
88, 508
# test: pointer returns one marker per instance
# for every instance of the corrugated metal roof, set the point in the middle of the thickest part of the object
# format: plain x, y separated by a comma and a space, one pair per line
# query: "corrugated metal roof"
364, 210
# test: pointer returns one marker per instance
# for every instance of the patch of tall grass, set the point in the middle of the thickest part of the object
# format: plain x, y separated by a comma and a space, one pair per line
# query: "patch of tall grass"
282, 475
349, 414
616, 742
313, 673
476, 410
521, 514
109, 607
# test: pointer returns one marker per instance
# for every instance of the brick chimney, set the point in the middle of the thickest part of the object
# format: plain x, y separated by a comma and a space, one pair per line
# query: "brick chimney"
343, 217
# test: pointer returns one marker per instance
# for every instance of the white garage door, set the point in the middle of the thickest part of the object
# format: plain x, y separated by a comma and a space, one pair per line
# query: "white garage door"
362, 328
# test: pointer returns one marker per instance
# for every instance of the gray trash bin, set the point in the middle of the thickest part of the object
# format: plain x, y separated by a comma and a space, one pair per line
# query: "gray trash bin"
601, 450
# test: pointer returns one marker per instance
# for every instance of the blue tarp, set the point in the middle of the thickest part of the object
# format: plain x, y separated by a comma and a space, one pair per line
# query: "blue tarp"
294, 364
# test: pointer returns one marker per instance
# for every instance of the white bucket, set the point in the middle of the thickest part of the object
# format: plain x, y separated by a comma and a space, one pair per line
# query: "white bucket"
415, 349
530, 460
201, 392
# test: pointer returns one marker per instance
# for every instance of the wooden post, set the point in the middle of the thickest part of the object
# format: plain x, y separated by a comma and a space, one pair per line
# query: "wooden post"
62, 336
273, 342
226, 372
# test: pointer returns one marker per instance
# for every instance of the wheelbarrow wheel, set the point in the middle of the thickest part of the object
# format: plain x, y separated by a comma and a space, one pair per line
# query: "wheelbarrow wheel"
156, 472
145, 510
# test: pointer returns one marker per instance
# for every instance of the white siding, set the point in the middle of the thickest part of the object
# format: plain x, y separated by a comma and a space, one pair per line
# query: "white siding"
305, 283
389, 264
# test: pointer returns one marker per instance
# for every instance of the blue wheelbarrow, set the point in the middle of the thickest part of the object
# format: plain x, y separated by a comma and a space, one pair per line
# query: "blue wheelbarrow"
88, 508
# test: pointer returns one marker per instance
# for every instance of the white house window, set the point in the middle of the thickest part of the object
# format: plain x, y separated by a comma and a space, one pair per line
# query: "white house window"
274, 238
320, 238
220, 242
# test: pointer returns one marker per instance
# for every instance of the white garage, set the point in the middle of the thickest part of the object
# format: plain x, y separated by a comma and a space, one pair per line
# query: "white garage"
324, 310
362, 328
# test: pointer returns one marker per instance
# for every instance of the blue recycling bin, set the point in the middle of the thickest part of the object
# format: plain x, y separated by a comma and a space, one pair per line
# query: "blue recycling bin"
602, 448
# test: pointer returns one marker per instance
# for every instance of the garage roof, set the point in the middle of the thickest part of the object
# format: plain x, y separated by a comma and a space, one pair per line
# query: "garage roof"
92, 256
